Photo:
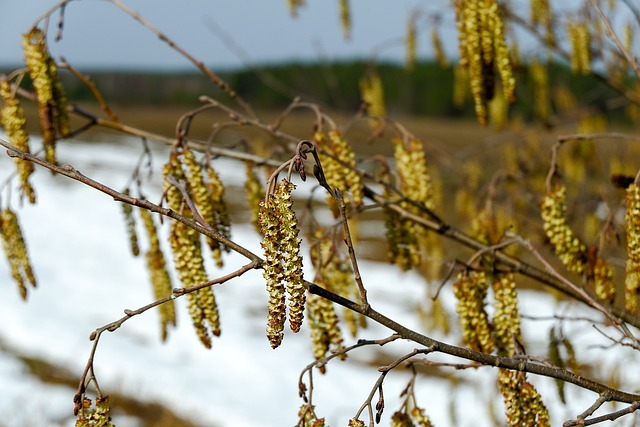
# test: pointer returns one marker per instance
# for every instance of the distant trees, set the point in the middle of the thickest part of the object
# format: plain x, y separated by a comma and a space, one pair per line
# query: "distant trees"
537, 207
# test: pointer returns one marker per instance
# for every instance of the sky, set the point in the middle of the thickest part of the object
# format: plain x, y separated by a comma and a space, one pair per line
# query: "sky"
98, 34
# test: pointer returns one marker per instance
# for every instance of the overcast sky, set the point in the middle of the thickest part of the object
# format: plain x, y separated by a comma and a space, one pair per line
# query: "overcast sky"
97, 34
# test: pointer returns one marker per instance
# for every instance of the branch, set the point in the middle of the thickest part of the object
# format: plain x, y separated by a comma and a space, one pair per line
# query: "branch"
512, 363
70, 172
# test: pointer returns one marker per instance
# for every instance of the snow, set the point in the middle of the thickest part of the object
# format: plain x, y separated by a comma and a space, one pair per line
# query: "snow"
87, 278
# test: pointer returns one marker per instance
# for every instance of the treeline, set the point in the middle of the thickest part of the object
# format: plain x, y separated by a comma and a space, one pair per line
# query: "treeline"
427, 89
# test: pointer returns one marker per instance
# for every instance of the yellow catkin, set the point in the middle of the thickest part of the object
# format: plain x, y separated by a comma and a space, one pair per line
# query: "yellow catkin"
345, 18
290, 252
483, 50
283, 262
356, 423
604, 286
273, 272
566, 245
340, 166
541, 16
334, 272
470, 289
506, 318
160, 279
372, 93
414, 182
52, 101
420, 418
254, 191
632, 220
15, 250
15, 126
220, 212
323, 324
541, 94
308, 417
127, 212
523, 404
580, 39
411, 43
402, 248
438, 50
98, 416
503, 57
209, 201
187, 255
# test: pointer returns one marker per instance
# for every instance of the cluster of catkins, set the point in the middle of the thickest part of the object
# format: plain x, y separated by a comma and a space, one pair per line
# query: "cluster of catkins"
186, 242
484, 52
283, 262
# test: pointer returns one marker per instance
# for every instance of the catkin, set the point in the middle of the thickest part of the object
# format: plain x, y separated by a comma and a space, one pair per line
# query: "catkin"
405, 238
470, 289
334, 272
283, 262
523, 404
160, 279
632, 220
411, 43
345, 18
254, 191
325, 331
98, 416
15, 126
438, 50
52, 101
372, 93
506, 318
340, 166
566, 245
130, 221
222, 220
542, 98
291, 258
15, 250
580, 39
187, 255
483, 51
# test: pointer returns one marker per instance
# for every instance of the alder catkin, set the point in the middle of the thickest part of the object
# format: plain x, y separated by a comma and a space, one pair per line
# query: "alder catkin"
290, 252
470, 289
127, 212
15, 250
51, 98
345, 18
283, 262
580, 39
254, 191
372, 94
160, 279
632, 221
438, 50
15, 125
187, 255
566, 245
411, 43
273, 272
340, 166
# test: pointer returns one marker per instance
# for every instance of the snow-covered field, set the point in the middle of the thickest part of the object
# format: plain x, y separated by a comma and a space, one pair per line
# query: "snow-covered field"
87, 278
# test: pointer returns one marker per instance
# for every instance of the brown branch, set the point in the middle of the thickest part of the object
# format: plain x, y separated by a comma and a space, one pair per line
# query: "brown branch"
608, 417
70, 172
512, 363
